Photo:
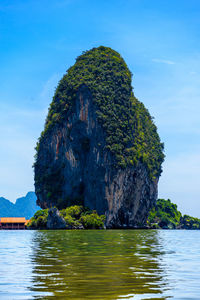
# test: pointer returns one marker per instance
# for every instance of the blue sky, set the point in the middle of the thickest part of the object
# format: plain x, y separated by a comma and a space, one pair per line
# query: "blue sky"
159, 41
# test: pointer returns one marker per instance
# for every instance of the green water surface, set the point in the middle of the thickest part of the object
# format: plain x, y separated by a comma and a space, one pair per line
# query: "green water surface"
112, 264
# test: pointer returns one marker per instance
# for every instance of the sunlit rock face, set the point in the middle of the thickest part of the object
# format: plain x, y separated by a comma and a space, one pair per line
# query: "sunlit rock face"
100, 147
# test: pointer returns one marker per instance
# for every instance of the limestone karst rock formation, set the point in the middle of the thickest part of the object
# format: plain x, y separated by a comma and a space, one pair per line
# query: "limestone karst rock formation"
99, 147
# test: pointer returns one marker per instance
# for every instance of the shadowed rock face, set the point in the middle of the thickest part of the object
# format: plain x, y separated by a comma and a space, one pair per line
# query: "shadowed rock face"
54, 220
74, 166
76, 150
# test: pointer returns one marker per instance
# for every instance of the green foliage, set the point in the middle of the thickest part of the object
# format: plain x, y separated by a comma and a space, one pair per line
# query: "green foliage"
164, 214
73, 211
75, 217
72, 222
131, 135
93, 221
39, 220
188, 222
41, 212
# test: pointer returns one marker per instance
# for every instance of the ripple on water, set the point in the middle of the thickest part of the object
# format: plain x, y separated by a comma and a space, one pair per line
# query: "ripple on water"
113, 264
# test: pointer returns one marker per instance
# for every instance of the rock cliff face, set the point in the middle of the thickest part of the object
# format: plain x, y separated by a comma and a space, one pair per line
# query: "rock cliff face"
100, 147
54, 220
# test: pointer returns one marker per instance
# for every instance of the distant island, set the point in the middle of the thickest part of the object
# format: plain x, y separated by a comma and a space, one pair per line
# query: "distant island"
23, 207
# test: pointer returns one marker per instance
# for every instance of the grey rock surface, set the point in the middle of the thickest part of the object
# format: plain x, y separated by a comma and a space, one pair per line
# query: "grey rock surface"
75, 153
54, 220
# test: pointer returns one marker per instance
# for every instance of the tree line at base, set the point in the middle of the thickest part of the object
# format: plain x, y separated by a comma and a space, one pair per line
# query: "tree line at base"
164, 215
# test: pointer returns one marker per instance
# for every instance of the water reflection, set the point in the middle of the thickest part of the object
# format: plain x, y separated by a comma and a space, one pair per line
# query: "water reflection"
115, 264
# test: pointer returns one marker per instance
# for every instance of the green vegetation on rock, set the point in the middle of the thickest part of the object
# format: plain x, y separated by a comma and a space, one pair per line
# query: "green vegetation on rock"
39, 220
76, 217
188, 222
130, 134
166, 215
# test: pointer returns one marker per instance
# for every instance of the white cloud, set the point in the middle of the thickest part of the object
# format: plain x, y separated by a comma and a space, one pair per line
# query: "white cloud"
163, 61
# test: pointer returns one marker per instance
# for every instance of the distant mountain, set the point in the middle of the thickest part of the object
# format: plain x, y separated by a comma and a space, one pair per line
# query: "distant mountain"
23, 207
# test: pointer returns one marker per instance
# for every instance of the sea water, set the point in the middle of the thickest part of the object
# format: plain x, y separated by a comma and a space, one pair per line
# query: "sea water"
100, 264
